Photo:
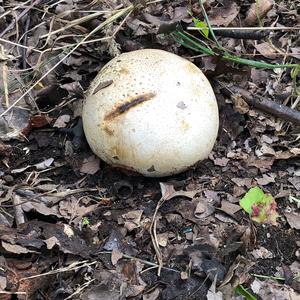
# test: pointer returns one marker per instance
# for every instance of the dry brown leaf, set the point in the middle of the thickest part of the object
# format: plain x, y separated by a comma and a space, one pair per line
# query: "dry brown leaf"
293, 152
40, 166
225, 219
229, 208
240, 104
51, 242
237, 154
116, 255
238, 191
61, 121
295, 181
132, 219
15, 248
40, 208
295, 52
267, 289
238, 272
263, 7
90, 165
223, 16
247, 182
3, 283
203, 209
265, 150
153, 295
168, 192
266, 50
260, 163
222, 162
265, 179
259, 76
293, 219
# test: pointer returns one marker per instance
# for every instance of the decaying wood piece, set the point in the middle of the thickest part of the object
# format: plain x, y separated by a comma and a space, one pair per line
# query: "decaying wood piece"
268, 106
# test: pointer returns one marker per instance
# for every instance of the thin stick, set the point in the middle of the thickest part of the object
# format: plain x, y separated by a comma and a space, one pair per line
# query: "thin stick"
245, 28
73, 23
19, 45
5, 85
80, 288
209, 26
73, 266
153, 235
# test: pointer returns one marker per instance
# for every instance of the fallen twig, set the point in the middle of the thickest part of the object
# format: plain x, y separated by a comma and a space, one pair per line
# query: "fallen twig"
268, 106
242, 34
153, 235
246, 28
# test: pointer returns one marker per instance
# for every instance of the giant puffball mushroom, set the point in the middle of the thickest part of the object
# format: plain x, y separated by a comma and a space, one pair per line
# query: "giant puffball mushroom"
152, 112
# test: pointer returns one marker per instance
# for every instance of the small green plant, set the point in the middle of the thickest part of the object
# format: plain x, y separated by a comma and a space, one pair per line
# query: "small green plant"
85, 222
202, 27
294, 73
189, 41
245, 293
261, 207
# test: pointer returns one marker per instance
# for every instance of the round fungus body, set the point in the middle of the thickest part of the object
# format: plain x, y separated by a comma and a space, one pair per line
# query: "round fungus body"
152, 112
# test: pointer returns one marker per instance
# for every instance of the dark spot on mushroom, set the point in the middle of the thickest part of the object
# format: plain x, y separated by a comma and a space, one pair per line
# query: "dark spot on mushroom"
181, 105
124, 71
125, 106
102, 85
151, 169
116, 157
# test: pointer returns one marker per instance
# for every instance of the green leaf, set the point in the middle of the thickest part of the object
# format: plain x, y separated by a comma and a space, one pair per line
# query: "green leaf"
253, 196
261, 207
243, 292
202, 27
85, 221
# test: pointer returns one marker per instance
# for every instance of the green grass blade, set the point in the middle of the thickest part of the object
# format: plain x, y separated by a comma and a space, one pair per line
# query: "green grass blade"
193, 43
243, 292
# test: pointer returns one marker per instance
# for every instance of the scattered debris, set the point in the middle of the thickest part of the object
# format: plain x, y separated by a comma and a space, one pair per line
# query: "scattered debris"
73, 227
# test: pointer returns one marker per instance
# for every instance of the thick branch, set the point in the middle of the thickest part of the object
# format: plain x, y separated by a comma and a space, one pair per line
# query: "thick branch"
268, 106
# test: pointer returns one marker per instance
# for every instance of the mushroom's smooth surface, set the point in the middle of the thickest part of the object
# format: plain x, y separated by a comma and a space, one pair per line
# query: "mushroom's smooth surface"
151, 111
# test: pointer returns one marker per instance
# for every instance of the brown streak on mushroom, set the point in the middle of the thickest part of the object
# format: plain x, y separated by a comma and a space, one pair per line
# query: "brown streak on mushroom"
127, 105
108, 130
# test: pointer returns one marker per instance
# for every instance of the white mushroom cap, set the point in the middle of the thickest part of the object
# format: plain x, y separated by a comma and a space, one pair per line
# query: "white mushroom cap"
151, 111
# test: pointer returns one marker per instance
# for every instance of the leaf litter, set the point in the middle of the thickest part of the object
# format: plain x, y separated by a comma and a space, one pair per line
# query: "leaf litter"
72, 227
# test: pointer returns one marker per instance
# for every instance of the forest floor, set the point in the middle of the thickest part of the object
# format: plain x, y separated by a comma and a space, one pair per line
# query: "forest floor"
73, 227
